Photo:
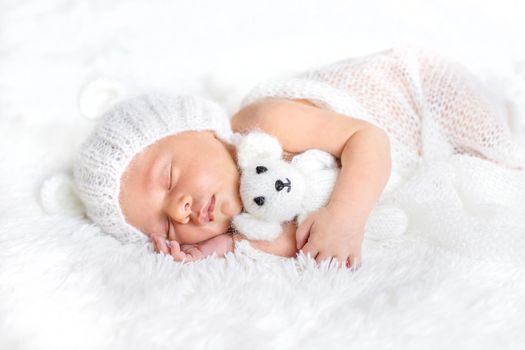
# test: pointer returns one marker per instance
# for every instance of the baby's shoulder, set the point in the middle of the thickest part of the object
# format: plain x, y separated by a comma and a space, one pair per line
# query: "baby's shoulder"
299, 125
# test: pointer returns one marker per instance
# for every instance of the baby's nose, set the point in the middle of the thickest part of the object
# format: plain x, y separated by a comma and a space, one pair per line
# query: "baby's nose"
182, 209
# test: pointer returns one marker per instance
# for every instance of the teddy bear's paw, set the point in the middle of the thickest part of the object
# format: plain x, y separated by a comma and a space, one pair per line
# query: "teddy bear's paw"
386, 222
256, 229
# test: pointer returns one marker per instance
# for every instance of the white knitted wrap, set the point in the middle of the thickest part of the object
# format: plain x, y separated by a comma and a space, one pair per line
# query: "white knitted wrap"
124, 131
455, 165
427, 105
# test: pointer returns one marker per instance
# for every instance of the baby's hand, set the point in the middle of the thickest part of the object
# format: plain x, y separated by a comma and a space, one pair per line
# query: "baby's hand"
186, 252
283, 245
331, 233
219, 245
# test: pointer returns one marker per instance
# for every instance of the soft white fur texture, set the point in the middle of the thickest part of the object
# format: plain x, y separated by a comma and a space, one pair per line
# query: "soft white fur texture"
64, 285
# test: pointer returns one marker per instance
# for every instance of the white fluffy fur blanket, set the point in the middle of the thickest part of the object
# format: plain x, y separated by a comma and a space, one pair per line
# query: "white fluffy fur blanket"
456, 279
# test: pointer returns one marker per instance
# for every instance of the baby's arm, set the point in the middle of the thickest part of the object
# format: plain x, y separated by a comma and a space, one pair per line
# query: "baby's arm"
284, 245
336, 230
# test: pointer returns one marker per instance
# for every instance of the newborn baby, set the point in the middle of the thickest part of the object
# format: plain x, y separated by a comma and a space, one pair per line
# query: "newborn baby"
163, 168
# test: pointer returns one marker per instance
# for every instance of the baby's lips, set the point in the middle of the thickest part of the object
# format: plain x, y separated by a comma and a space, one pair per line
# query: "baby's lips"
206, 213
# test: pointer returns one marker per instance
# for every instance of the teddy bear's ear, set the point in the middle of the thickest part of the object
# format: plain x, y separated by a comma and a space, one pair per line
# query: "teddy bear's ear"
256, 229
256, 145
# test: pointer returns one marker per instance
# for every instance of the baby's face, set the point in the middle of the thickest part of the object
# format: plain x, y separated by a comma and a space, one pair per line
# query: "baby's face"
185, 187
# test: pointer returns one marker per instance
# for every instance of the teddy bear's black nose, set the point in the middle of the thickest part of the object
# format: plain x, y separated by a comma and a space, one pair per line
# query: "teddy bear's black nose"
259, 201
279, 185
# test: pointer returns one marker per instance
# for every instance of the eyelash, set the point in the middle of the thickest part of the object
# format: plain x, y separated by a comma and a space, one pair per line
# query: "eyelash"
169, 225
170, 178
169, 188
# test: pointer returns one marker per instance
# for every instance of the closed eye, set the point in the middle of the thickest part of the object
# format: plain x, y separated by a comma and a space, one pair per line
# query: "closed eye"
170, 176
168, 227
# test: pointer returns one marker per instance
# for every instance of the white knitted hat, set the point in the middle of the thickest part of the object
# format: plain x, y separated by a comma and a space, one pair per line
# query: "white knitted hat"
125, 130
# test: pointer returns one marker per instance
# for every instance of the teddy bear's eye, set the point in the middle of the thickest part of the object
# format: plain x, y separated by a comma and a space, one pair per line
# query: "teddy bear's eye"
261, 169
259, 201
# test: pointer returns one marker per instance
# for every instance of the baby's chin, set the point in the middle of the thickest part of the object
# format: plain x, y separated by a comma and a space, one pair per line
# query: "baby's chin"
230, 230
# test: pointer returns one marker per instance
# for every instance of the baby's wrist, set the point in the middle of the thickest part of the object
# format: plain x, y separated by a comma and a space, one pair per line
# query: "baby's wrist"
349, 212
237, 237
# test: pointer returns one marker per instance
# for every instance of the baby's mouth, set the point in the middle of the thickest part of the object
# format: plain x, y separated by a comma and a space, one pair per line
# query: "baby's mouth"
211, 207
206, 213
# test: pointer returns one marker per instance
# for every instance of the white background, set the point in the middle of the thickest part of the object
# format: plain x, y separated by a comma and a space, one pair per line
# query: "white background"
50, 50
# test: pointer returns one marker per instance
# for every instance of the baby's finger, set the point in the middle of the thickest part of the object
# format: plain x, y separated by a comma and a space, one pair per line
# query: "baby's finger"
176, 252
179, 256
174, 246
303, 232
354, 262
193, 252
322, 256
342, 260
311, 249
155, 246
160, 245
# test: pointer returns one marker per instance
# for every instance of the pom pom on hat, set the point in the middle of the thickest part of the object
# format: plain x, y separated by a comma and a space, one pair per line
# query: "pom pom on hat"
124, 131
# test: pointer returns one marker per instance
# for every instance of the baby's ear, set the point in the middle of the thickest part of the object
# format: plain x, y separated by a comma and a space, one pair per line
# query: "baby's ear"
256, 145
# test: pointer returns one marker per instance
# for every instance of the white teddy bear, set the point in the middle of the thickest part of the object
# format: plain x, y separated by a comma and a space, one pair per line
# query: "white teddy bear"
274, 190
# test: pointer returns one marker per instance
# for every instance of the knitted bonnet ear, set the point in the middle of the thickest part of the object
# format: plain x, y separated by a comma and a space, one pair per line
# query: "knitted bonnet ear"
125, 130
58, 195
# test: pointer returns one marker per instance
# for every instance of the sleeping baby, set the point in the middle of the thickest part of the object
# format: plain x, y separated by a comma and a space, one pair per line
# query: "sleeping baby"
164, 168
